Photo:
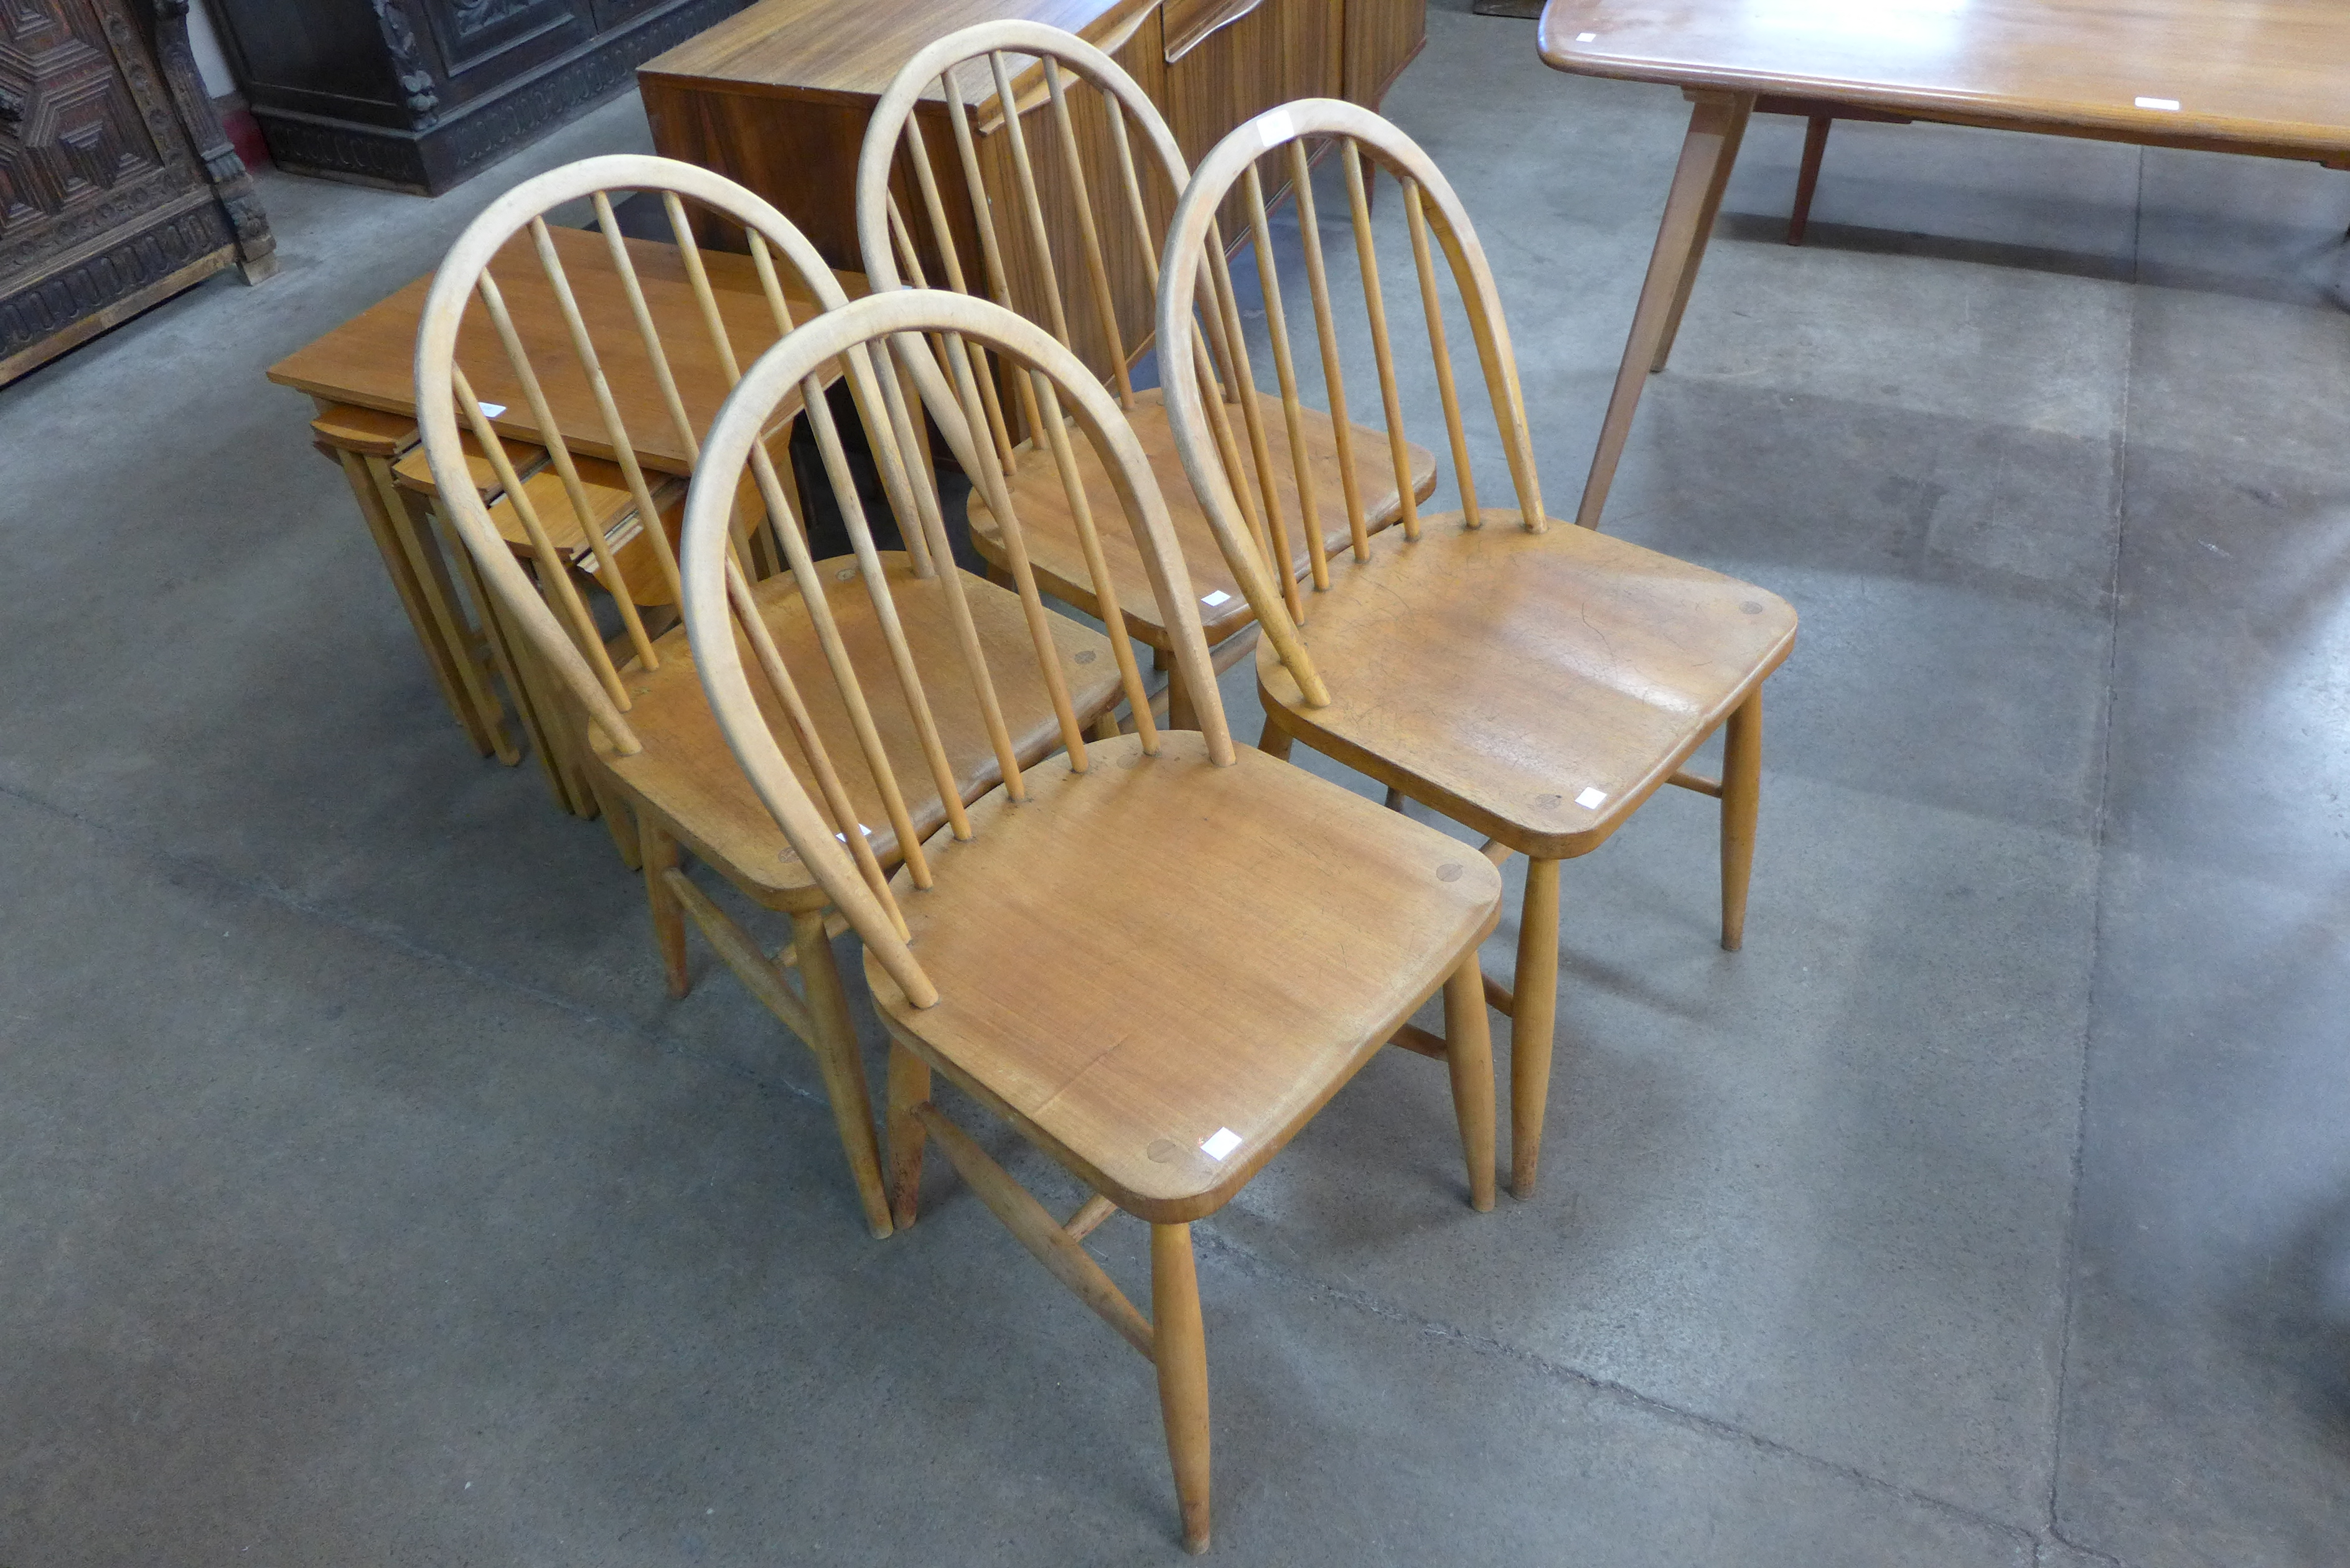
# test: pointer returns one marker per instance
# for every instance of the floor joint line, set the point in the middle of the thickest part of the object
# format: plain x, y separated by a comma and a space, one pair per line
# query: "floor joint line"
265, 890
1248, 1261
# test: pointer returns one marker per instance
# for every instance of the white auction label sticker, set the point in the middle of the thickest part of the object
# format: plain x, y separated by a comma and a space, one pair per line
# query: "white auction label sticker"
492, 410
1587, 37
1275, 127
1216, 599
1592, 799
2170, 104
1224, 1141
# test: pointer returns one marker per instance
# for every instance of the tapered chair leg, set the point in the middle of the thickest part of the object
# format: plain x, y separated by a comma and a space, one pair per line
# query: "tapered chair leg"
1742, 800
1468, 1056
1180, 1348
658, 852
1275, 742
910, 1086
835, 1055
619, 821
1532, 1020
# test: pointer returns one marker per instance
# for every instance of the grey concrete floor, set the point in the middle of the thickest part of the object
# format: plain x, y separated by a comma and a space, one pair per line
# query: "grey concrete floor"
362, 1199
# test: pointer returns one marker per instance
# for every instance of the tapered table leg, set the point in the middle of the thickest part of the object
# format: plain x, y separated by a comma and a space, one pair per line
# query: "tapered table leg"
1716, 122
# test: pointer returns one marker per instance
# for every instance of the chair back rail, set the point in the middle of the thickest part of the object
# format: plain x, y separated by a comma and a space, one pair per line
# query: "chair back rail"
998, 197
552, 612
720, 621
1247, 517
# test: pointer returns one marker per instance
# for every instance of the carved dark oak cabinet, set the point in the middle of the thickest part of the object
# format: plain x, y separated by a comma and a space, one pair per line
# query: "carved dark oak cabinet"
418, 94
118, 187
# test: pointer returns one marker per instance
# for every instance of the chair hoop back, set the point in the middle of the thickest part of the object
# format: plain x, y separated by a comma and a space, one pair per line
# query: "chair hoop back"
718, 605
1247, 517
991, 237
552, 614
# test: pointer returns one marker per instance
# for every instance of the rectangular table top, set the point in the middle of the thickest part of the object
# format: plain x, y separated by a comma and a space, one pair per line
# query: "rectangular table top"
369, 360
2261, 74
849, 50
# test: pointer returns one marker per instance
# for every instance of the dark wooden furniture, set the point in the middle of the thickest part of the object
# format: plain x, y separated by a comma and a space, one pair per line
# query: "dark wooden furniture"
419, 93
777, 97
2256, 77
118, 187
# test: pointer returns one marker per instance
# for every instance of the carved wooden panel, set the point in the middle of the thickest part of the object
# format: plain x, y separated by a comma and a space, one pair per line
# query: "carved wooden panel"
116, 184
476, 33
419, 93
71, 134
612, 13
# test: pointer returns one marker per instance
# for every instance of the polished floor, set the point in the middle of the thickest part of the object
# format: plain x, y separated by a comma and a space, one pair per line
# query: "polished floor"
362, 1200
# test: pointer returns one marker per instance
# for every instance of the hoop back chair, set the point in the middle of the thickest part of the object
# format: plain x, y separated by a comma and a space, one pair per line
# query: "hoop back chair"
1051, 948
1102, 177
649, 741
1533, 682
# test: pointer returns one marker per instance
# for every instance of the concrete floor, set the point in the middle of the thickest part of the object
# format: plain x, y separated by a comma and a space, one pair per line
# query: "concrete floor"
362, 1200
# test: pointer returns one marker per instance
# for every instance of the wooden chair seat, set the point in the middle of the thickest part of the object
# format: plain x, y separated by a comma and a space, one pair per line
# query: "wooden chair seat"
1541, 668
1059, 558
1229, 945
688, 777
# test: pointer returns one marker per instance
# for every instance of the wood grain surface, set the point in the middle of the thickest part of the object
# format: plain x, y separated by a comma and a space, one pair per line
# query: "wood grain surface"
369, 360
804, 48
1159, 949
1055, 548
1538, 667
687, 774
2267, 73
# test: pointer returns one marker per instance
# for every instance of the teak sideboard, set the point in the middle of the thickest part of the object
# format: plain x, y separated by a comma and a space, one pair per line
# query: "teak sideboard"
777, 97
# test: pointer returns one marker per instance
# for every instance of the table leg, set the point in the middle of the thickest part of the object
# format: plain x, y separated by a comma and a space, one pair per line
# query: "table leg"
430, 569
438, 657
1716, 122
491, 615
1733, 139
1807, 179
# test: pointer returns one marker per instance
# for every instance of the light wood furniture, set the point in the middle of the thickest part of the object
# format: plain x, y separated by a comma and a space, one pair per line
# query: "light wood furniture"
368, 444
1819, 118
2256, 77
1156, 955
118, 187
778, 97
1534, 683
360, 378
1089, 157
649, 746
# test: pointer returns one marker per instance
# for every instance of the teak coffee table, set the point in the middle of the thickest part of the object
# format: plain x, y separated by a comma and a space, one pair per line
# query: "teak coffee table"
2266, 77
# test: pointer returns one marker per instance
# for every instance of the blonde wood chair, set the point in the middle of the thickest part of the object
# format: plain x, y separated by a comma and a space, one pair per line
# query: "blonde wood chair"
1155, 955
1088, 154
1533, 682
627, 697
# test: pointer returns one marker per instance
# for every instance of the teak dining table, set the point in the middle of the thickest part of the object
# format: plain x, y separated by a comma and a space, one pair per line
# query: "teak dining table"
360, 377
2266, 77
